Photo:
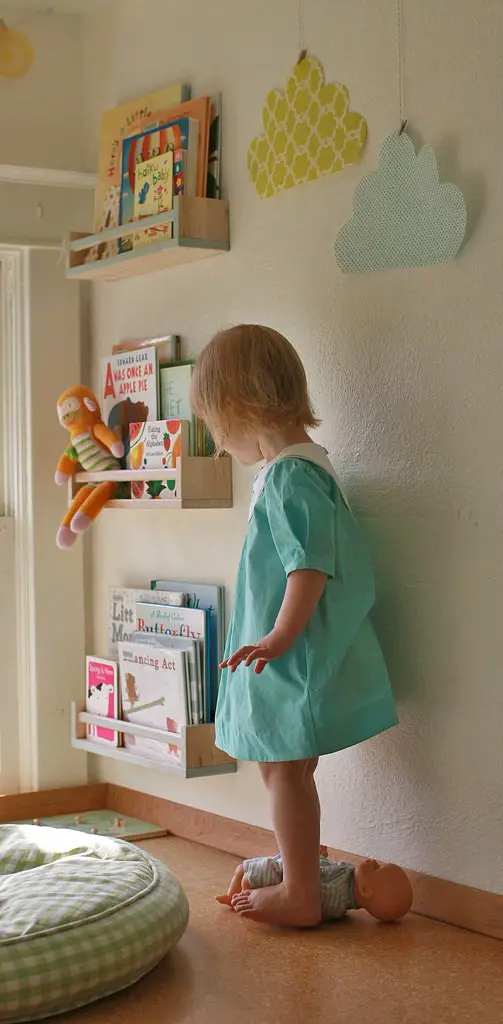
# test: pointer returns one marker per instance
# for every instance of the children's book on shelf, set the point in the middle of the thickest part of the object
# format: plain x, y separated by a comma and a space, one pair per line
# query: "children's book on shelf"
122, 611
117, 124
154, 693
188, 623
187, 138
153, 193
195, 695
213, 187
175, 383
155, 445
102, 698
211, 598
129, 390
169, 347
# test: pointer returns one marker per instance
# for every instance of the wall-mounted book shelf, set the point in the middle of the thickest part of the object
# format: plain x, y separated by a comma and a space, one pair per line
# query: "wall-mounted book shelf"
199, 757
200, 482
200, 229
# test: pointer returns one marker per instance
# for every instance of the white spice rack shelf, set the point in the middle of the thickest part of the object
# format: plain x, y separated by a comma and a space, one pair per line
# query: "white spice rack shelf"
200, 482
199, 755
200, 229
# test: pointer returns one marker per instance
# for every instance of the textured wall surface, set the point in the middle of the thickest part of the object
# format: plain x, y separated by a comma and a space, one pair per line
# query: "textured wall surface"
405, 370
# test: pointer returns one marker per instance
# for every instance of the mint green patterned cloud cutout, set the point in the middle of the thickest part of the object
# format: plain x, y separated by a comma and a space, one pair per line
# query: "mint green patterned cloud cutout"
403, 216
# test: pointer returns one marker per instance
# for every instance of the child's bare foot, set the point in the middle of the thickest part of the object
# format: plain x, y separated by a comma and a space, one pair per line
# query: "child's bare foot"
274, 905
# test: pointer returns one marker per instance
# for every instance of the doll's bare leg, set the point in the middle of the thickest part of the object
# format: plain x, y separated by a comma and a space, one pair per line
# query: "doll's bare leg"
92, 506
295, 812
65, 537
238, 883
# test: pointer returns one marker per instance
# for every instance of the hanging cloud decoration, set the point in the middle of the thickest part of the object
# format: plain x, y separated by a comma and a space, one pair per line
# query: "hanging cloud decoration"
403, 216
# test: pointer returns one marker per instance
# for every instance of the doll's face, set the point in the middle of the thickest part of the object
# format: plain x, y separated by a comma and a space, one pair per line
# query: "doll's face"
384, 890
69, 411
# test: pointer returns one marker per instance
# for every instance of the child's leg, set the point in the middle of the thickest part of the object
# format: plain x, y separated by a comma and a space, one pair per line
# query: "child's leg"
295, 813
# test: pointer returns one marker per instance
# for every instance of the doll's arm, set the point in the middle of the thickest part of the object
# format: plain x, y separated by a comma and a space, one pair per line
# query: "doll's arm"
67, 465
109, 439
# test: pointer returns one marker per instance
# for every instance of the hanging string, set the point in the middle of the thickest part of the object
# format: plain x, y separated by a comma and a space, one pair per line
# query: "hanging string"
401, 91
300, 31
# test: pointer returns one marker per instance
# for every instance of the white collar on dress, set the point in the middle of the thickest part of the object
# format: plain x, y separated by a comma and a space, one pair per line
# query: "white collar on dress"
310, 452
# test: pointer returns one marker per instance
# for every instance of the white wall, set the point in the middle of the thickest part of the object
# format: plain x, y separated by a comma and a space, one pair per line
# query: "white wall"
41, 113
405, 370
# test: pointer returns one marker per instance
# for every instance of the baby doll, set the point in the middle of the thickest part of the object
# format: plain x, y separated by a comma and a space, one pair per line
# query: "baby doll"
383, 890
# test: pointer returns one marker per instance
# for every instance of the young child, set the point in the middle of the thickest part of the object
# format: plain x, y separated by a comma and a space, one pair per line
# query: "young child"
303, 674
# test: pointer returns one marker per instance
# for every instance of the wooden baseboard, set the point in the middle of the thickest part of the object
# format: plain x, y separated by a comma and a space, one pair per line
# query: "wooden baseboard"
459, 905
448, 902
50, 802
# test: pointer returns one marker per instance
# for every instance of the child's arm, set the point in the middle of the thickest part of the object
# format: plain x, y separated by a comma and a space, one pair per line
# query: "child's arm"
303, 593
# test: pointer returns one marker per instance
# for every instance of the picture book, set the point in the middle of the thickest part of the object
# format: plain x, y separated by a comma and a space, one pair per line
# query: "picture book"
212, 598
118, 124
155, 445
153, 193
168, 347
179, 135
102, 698
213, 186
175, 383
189, 623
154, 693
129, 390
194, 681
122, 611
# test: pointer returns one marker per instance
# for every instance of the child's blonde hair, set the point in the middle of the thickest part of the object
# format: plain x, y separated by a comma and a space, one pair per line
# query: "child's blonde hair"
251, 374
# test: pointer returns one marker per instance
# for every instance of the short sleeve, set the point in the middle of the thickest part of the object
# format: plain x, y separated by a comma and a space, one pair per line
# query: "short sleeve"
302, 516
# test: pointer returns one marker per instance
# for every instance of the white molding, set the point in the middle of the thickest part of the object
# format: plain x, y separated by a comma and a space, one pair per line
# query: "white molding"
16, 401
46, 176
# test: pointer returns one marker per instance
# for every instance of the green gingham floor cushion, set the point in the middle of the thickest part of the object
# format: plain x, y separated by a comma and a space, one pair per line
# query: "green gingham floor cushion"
81, 917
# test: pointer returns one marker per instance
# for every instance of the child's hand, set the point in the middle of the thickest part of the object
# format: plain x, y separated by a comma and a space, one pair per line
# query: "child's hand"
270, 647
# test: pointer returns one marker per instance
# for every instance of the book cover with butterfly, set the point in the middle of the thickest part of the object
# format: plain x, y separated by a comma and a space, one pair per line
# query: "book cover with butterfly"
153, 193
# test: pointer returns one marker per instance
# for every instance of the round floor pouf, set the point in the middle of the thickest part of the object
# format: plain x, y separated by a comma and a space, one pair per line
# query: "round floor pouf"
81, 917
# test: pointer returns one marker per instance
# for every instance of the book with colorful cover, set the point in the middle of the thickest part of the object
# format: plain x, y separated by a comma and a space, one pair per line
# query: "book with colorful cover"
181, 137
117, 124
129, 390
194, 680
155, 445
122, 611
211, 597
153, 193
154, 693
102, 698
189, 623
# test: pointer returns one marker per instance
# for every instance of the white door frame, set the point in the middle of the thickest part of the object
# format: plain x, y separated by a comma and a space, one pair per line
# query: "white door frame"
16, 440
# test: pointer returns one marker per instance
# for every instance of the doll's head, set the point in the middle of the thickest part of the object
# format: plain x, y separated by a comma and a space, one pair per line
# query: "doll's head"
383, 890
78, 408
248, 382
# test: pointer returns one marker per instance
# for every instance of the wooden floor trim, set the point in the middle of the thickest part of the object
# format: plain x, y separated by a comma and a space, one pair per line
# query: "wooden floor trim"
459, 905
50, 802
448, 902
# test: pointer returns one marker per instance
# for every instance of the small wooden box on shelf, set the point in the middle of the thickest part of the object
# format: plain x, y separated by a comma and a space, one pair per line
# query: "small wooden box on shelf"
200, 229
200, 756
201, 482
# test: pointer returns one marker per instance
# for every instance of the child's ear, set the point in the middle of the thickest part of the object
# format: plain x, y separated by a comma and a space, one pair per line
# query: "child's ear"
89, 404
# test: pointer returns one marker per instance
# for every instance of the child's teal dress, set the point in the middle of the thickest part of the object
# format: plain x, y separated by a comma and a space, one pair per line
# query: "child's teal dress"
331, 690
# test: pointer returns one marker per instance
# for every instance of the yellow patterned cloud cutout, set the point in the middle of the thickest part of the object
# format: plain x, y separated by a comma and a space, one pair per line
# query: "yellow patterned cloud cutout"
309, 131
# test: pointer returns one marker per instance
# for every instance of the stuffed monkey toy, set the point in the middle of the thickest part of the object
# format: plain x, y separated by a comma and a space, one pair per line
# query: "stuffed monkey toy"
93, 447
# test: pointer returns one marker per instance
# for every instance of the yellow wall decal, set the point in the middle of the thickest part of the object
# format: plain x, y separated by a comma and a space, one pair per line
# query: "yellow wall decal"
309, 131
